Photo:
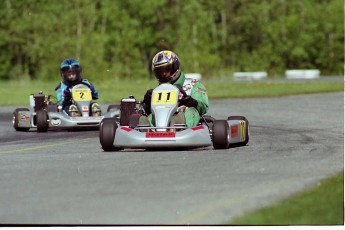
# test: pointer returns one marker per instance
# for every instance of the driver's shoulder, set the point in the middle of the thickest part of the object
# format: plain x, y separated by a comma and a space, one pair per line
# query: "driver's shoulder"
86, 82
58, 86
192, 82
61, 86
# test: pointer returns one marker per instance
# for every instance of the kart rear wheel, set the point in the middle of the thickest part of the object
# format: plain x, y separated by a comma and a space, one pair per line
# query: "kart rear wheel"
16, 119
42, 121
220, 134
246, 122
107, 131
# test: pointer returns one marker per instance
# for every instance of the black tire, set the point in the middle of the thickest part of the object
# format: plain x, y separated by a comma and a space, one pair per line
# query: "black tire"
16, 120
246, 122
107, 131
115, 106
220, 134
42, 121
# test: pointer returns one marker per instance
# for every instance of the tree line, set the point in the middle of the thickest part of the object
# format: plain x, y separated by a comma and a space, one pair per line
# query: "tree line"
116, 39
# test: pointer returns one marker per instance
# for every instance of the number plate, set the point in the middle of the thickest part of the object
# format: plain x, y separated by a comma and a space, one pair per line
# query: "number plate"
164, 97
82, 94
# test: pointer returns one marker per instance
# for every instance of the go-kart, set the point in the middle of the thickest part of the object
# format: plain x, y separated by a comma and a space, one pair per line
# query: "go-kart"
117, 134
45, 114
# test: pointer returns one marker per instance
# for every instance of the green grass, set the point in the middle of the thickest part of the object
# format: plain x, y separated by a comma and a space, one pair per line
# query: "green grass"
17, 92
269, 88
322, 204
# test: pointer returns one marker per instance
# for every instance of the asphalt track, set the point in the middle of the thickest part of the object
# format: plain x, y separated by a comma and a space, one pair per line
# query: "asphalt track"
62, 178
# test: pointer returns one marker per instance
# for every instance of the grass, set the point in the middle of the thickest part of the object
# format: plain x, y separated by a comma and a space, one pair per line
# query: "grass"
322, 204
270, 88
17, 92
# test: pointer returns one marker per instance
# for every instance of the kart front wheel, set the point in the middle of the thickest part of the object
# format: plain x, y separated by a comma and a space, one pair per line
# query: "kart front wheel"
220, 134
42, 121
16, 119
107, 131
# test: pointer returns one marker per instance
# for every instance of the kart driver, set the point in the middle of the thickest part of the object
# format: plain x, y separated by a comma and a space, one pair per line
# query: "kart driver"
193, 98
70, 70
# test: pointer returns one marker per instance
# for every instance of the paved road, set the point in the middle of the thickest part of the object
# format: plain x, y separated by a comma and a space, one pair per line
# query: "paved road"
65, 178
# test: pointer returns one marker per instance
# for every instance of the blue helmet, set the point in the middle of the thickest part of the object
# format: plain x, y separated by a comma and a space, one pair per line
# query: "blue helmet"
68, 66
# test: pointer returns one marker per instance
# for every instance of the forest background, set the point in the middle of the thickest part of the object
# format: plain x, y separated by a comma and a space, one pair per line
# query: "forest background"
116, 39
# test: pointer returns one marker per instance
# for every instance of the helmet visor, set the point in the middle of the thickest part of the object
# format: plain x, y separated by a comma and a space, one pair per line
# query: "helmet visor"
70, 73
163, 73
70, 69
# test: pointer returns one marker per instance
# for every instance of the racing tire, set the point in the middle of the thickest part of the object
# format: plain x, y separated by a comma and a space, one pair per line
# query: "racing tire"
42, 121
113, 107
246, 122
16, 120
107, 131
220, 134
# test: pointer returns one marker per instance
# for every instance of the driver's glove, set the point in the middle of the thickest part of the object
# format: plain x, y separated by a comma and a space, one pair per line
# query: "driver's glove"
67, 95
148, 96
189, 101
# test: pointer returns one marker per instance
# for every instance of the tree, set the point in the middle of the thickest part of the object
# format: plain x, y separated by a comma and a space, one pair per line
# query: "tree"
115, 39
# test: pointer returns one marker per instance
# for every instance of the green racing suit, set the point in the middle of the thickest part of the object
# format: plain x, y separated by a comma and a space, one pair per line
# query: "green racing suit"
197, 91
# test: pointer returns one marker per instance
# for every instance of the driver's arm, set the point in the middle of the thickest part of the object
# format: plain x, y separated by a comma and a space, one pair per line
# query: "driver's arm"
199, 93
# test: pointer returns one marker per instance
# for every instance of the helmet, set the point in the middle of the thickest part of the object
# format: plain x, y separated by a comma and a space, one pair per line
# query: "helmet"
70, 67
166, 66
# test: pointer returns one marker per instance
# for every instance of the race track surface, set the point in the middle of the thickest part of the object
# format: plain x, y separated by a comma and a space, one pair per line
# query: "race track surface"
61, 177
